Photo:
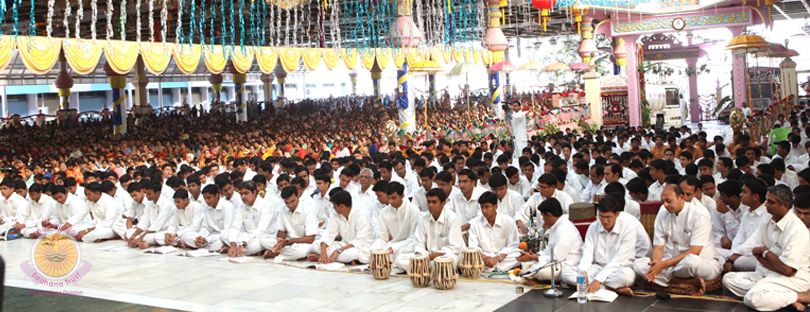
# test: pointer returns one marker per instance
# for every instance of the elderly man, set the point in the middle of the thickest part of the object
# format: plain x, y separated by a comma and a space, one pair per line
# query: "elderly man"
782, 277
683, 250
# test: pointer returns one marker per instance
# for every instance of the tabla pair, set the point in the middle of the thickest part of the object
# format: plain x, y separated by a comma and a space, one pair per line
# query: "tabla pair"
443, 273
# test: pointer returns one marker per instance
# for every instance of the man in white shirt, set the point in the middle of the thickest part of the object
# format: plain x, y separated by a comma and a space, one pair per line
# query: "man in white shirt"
254, 223
437, 234
322, 206
365, 198
223, 182
547, 183
156, 217
396, 223
465, 204
135, 211
419, 199
186, 222
70, 211
13, 208
40, 208
784, 175
297, 227
509, 201
658, 169
630, 220
105, 214
607, 253
727, 215
683, 250
217, 221
597, 183
564, 242
407, 176
495, 234
353, 226
518, 183
563, 186
739, 258
781, 277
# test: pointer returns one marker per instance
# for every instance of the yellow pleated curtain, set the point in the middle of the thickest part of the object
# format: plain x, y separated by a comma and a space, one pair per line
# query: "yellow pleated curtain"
468, 56
215, 59
476, 56
447, 55
121, 55
411, 56
486, 57
436, 55
267, 58
383, 57
242, 59
331, 57
312, 58
367, 58
458, 55
187, 57
39, 54
156, 56
82, 55
349, 58
399, 58
7, 46
289, 57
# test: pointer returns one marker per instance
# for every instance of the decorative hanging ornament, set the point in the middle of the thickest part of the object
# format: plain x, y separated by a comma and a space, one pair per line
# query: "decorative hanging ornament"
79, 16
109, 20
544, 6
49, 20
138, 21
94, 10
578, 10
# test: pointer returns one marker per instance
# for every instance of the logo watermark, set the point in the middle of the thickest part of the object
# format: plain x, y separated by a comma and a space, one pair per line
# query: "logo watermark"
56, 261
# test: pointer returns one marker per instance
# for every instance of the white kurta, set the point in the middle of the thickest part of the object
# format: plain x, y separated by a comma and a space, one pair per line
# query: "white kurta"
493, 240
467, 209
355, 230
186, 221
106, 213
395, 226
607, 257
442, 235
530, 207
510, 204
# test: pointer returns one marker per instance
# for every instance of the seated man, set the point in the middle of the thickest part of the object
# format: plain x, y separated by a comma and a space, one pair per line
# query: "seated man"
608, 252
254, 223
70, 211
495, 234
547, 183
353, 226
781, 278
509, 201
297, 227
186, 222
156, 216
438, 232
13, 208
727, 215
683, 251
396, 223
643, 243
753, 195
105, 213
217, 221
134, 213
40, 208
564, 241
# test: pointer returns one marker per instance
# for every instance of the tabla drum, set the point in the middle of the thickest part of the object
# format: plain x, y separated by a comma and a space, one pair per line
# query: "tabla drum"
444, 273
380, 264
419, 271
472, 262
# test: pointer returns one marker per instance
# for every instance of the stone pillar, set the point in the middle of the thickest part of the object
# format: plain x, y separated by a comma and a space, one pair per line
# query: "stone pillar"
63, 83
118, 84
405, 105
431, 87
353, 79
633, 91
267, 86
790, 83
694, 96
216, 87
160, 94
587, 46
4, 101
32, 104
739, 76
231, 93
205, 98
74, 102
176, 97
281, 75
376, 76
139, 81
593, 95
239, 80
496, 42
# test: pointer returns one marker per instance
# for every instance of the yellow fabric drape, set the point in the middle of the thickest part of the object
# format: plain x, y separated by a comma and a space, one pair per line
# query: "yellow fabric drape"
399, 58
266, 57
82, 55
330, 57
411, 56
476, 56
121, 55
486, 58
349, 58
290, 57
242, 59
424, 54
7, 45
187, 57
156, 56
383, 57
447, 55
312, 58
436, 55
468, 56
215, 59
458, 55
367, 58
39, 54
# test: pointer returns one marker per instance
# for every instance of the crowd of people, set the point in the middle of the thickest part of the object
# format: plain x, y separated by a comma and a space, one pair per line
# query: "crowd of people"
326, 185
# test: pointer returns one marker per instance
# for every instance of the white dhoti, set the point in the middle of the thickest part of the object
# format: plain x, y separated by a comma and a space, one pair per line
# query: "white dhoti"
120, 228
347, 256
691, 266
294, 251
98, 233
213, 242
622, 277
26, 232
155, 239
766, 293
506, 264
403, 261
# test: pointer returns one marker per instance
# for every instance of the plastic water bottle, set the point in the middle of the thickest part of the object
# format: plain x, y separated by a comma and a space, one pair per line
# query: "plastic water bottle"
582, 287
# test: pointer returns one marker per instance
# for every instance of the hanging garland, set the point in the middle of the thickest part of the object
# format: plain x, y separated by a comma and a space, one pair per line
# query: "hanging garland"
253, 23
201, 26
179, 36
224, 28
138, 21
65, 22
192, 23
241, 26
94, 10
32, 28
233, 32
123, 20
151, 21
17, 19
49, 19
79, 16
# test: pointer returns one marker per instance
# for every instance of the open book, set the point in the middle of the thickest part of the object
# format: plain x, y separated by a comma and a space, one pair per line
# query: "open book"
163, 250
239, 259
113, 248
197, 253
603, 295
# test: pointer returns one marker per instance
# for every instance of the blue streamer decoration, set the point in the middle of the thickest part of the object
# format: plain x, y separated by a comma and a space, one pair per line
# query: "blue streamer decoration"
32, 28
241, 26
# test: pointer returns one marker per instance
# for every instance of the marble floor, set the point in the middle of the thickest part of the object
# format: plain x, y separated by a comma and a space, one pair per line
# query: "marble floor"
209, 284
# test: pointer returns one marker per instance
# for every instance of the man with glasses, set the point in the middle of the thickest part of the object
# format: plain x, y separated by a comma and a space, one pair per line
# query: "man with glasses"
547, 185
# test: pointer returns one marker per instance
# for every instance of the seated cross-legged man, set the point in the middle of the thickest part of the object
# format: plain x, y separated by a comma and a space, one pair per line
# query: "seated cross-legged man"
438, 232
495, 234
354, 227
297, 227
564, 242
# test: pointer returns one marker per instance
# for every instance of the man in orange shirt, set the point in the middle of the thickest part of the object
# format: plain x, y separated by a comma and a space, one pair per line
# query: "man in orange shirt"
658, 149
73, 171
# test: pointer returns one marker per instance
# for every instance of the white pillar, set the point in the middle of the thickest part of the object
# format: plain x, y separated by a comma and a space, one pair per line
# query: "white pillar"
108, 102
188, 88
593, 96
160, 94
205, 98
231, 93
32, 103
74, 100
176, 96
4, 100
